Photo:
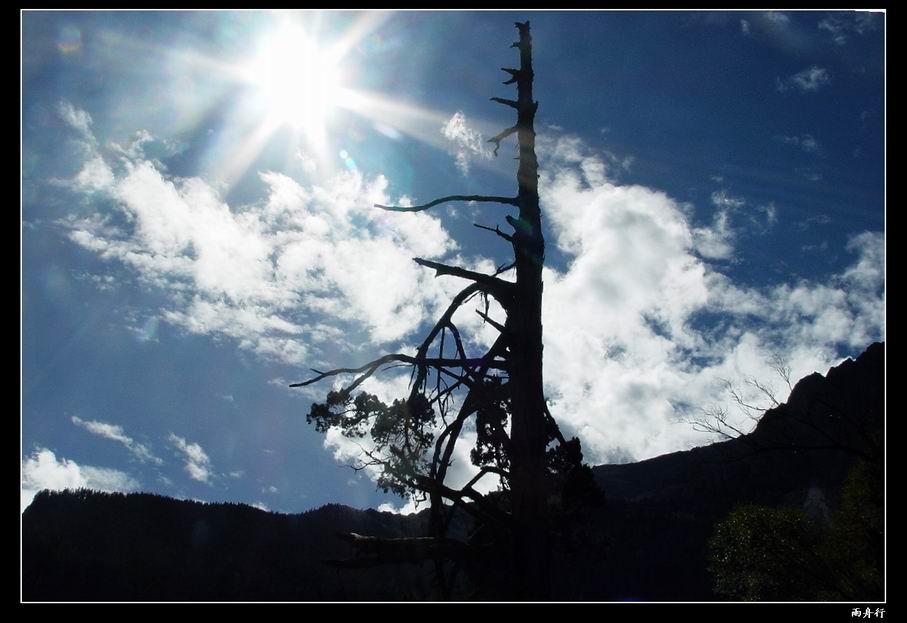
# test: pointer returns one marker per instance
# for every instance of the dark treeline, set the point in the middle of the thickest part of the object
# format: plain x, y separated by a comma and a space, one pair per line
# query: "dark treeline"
796, 504
82, 545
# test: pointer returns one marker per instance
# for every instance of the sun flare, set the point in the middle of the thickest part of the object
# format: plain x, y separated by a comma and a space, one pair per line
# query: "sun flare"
298, 81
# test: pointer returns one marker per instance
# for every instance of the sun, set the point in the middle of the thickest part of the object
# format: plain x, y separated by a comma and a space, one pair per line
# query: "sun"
298, 82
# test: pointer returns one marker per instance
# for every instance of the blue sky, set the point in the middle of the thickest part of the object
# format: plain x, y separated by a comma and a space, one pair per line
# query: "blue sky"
197, 230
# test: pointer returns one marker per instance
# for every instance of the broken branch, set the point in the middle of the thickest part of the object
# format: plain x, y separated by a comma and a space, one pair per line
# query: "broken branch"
498, 288
496, 230
494, 324
479, 198
501, 136
512, 103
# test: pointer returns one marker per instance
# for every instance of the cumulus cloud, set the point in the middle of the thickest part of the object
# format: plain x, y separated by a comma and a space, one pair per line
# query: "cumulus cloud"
251, 273
626, 356
116, 433
42, 470
808, 80
197, 462
626, 360
95, 175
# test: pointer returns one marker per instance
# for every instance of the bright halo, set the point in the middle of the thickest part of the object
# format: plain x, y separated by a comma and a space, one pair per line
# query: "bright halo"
299, 82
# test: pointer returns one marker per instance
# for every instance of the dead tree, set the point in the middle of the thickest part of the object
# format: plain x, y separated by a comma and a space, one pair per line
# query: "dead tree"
503, 393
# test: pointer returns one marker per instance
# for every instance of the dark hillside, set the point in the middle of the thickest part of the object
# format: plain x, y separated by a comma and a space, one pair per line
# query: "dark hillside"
94, 546
662, 511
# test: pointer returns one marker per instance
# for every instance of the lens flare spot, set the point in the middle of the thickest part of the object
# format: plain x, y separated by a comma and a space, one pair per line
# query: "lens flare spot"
387, 131
148, 331
348, 161
69, 40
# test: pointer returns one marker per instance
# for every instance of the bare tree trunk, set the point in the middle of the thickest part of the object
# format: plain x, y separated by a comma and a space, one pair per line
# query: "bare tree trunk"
524, 325
522, 536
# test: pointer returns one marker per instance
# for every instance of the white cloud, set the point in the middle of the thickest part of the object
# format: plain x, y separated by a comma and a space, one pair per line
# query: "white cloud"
718, 240
844, 25
95, 175
868, 273
745, 27
407, 508
715, 242
777, 18
42, 470
197, 462
468, 144
77, 119
631, 270
810, 173
249, 272
116, 433
721, 199
848, 310
624, 359
806, 142
808, 80
565, 150
837, 27
771, 214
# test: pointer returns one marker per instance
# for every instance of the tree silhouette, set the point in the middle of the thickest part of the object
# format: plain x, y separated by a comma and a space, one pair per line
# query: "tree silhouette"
782, 554
518, 440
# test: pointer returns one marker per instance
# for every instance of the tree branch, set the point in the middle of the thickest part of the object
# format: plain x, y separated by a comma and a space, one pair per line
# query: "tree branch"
500, 137
486, 470
494, 324
500, 289
470, 404
514, 74
554, 427
512, 103
370, 368
443, 322
481, 502
496, 230
479, 198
